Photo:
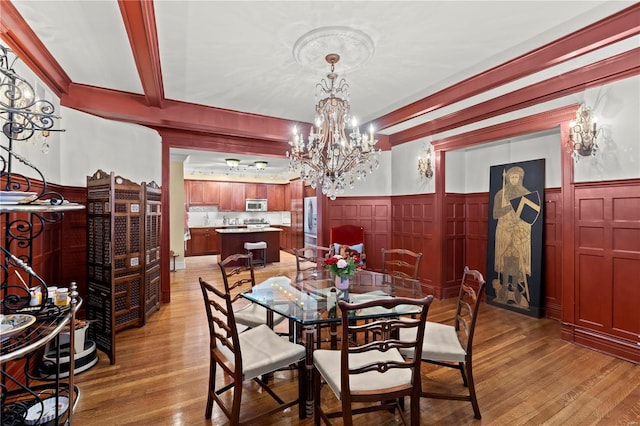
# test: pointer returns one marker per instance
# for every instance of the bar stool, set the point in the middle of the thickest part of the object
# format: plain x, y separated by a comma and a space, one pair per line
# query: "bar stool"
260, 246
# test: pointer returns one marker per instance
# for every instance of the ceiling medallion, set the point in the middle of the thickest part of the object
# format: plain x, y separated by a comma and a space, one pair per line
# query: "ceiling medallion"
354, 47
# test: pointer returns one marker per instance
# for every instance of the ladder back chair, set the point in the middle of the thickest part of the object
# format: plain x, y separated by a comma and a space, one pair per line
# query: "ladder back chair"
374, 373
451, 345
237, 275
245, 356
401, 263
310, 260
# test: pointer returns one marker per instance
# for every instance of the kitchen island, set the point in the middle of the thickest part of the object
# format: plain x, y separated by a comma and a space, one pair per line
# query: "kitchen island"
232, 241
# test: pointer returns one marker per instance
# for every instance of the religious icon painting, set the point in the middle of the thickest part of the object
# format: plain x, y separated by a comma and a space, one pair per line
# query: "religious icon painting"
515, 245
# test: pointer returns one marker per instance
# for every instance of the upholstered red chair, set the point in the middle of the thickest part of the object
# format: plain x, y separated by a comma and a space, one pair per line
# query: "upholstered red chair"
348, 235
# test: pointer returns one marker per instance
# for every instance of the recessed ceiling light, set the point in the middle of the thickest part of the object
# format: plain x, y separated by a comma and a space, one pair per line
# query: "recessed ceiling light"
232, 162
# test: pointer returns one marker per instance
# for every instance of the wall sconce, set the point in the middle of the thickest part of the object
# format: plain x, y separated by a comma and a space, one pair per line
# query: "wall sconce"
260, 165
424, 163
583, 134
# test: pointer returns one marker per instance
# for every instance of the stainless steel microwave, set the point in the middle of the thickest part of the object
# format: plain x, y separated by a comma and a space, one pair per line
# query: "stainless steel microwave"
256, 205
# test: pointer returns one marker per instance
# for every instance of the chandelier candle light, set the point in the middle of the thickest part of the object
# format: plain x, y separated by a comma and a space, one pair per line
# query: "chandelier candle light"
336, 154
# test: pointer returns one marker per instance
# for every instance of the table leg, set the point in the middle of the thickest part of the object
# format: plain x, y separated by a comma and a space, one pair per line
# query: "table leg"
309, 343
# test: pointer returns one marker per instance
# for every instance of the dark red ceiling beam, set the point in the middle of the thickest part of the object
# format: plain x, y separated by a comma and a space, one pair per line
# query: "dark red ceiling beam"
530, 124
609, 30
140, 22
129, 107
597, 74
20, 38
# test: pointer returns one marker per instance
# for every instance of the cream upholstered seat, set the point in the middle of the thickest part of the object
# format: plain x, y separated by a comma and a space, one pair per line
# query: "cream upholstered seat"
237, 272
451, 345
264, 351
244, 356
260, 247
374, 373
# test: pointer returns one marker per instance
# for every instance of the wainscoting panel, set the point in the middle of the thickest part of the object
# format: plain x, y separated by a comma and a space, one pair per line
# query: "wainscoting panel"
552, 255
373, 214
607, 267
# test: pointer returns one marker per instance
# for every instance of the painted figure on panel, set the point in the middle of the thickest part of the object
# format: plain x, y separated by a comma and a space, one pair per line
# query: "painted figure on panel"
515, 208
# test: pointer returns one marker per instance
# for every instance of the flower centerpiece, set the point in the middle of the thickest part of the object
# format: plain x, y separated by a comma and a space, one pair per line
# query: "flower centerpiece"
342, 267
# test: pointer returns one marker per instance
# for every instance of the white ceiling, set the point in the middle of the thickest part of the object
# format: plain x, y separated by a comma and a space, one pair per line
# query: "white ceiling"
238, 54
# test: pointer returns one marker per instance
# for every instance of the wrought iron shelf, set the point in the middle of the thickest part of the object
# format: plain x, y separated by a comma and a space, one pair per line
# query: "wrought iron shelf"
40, 208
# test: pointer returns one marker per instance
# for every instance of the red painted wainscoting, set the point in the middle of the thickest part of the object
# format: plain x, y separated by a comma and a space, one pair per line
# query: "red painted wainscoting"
372, 213
605, 289
412, 222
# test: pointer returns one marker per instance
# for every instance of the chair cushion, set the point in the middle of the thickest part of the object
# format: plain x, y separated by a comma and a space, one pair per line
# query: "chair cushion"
356, 247
328, 364
255, 246
263, 351
440, 343
253, 315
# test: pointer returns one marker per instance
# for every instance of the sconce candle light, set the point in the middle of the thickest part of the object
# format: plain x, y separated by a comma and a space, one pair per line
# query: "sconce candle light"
424, 163
583, 134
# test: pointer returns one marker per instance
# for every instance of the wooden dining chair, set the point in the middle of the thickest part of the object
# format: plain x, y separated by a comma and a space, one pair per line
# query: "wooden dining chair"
237, 275
310, 260
401, 262
373, 373
452, 345
245, 356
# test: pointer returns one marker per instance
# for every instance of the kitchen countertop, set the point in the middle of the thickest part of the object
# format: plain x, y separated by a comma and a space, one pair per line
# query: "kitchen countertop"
246, 230
218, 226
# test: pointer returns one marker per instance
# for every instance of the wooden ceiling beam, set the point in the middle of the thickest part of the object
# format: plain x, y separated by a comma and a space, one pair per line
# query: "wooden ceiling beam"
140, 23
607, 31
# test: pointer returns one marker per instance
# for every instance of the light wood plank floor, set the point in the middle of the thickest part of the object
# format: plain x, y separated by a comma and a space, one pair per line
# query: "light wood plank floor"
525, 374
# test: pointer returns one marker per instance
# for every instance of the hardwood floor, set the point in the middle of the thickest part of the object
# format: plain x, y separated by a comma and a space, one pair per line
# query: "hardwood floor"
525, 374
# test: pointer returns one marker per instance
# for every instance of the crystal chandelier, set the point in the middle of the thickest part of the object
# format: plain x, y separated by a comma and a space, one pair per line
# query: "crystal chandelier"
336, 154
583, 134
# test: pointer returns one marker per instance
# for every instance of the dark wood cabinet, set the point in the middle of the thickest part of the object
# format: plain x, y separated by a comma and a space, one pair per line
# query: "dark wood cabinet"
255, 190
285, 239
202, 192
204, 241
211, 192
275, 197
232, 196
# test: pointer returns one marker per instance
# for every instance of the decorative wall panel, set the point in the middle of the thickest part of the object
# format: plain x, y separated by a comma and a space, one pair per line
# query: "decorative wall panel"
373, 214
607, 267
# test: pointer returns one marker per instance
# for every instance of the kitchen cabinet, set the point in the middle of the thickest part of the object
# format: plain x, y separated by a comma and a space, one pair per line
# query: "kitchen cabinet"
255, 190
285, 239
275, 197
204, 241
202, 192
232, 196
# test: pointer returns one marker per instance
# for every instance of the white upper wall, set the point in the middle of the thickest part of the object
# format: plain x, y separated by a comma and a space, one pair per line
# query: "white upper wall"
91, 143
377, 183
617, 107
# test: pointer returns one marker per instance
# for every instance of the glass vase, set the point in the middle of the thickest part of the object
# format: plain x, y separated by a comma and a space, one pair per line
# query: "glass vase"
341, 283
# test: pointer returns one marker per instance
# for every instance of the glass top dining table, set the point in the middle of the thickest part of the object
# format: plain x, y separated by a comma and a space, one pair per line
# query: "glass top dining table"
310, 302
